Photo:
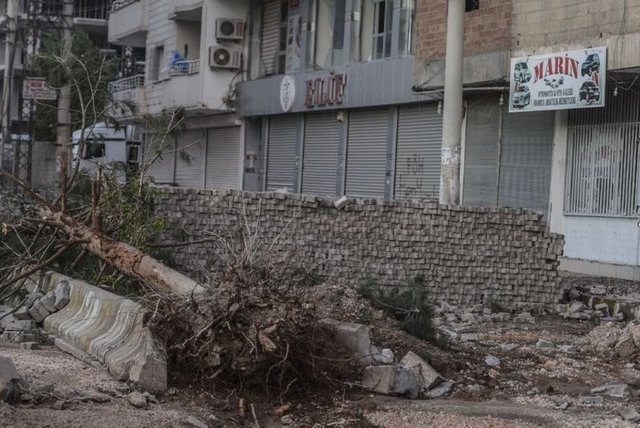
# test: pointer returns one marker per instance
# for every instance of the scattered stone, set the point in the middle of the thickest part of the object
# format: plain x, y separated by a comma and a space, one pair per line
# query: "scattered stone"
30, 346
468, 317
475, 389
630, 414
43, 389
469, 337
525, 317
564, 405
534, 391
61, 295
286, 420
10, 381
426, 375
22, 313
493, 374
492, 361
390, 380
195, 422
545, 344
124, 389
593, 399
603, 308
150, 397
616, 390
576, 307
508, 347
441, 390
59, 405
137, 400
172, 391
385, 356
567, 349
451, 318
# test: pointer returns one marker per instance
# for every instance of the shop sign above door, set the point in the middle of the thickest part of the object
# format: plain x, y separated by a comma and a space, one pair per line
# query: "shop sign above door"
558, 81
324, 91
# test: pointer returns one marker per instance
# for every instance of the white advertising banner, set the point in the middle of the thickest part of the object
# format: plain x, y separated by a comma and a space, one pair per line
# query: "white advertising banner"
558, 81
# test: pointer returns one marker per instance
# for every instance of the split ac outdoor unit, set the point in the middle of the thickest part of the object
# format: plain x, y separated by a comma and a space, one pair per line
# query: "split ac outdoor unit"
225, 57
229, 29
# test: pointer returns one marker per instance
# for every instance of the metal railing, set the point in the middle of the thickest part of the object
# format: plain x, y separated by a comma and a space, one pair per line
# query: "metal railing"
119, 4
127, 83
183, 68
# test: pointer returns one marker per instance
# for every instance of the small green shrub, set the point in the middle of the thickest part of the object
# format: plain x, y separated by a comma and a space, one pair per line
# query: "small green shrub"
409, 304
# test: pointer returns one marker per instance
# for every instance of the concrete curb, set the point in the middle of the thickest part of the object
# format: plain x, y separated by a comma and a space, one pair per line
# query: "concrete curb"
109, 328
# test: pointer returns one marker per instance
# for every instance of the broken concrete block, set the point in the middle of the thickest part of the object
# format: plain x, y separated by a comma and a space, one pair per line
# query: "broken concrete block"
61, 295
426, 375
468, 317
576, 307
48, 302
441, 390
469, 337
385, 356
593, 399
137, 400
603, 308
22, 313
525, 317
354, 338
195, 422
30, 346
38, 313
630, 414
616, 390
9, 380
545, 344
390, 380
341, 203
492, 361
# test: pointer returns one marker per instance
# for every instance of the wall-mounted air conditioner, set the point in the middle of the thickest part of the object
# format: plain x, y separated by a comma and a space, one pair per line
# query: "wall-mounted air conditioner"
225, 57
229, 29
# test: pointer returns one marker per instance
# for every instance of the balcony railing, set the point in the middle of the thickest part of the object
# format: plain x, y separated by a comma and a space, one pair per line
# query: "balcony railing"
127, 83
183, 68
119, 4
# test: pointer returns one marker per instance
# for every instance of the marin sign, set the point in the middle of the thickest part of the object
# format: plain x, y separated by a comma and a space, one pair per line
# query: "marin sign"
564, 80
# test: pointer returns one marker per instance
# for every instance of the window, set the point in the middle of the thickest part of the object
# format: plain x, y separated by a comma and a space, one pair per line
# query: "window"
158, 57
382, 22
470, 5
330, 23
281, 62
94, 149
602, 170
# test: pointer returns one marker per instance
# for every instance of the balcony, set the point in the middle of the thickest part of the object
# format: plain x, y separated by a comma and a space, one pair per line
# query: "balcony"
130, 90
128, 23
184, 68
186, 10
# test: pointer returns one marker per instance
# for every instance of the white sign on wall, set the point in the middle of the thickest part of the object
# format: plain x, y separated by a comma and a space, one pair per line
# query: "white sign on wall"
287, 93
563, 80
35, 88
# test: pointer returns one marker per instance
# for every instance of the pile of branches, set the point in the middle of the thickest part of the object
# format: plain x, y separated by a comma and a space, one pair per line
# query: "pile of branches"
256, 325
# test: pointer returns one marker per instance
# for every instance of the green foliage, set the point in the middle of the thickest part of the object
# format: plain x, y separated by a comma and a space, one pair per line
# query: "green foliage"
409, 304
127, 211
89, 72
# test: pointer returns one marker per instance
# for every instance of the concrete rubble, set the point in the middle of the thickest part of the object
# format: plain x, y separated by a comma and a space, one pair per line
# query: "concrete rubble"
92, 324
11, 384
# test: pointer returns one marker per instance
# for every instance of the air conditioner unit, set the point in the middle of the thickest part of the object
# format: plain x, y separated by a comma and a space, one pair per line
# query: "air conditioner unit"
225, 57
229, 29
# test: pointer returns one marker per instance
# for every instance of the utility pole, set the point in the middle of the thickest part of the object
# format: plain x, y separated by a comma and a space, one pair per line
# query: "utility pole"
452, 111
63, 139
9, 55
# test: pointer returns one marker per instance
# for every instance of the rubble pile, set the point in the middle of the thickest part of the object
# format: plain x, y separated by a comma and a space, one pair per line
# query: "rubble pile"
21, 322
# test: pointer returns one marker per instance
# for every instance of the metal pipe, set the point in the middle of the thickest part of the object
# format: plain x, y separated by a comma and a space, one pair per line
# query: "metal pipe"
452, 110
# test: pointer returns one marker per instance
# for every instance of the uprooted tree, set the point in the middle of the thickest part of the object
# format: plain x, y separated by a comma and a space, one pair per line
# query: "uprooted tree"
252, 322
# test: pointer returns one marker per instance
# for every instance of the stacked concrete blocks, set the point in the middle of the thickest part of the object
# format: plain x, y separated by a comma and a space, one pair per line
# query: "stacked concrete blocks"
467, 254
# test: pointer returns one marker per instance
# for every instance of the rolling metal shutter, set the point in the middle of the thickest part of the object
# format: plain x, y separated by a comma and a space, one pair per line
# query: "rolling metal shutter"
525, 161
418, 152
367, 153
162, 168
223, 158
320, 161
281, 152
189, 159
481, 153
270, 35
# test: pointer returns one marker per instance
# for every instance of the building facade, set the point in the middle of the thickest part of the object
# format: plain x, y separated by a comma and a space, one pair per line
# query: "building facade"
191, 55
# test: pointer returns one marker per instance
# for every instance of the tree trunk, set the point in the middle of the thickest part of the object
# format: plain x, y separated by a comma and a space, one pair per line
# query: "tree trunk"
124, 257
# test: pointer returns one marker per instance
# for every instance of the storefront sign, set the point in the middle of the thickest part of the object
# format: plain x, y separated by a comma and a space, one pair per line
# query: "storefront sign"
34, 88
287, 93
325, 90
564, 80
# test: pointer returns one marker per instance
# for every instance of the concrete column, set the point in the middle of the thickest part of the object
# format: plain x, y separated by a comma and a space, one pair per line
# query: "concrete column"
9, 54
63, 138
452, 111
558, 170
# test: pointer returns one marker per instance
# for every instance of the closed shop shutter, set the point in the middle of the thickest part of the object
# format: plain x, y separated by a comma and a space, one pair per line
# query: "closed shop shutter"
162, 168
320, 160
367, 153
481, 153
189, 159
223, 158
525, 161
281, 152
270, 35
418, 152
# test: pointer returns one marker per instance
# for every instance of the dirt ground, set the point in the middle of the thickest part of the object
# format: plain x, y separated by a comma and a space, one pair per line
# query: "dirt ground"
531, 385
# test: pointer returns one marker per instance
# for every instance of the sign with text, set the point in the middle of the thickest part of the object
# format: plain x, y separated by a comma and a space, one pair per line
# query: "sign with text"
37, 89
563, 80
324, 91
